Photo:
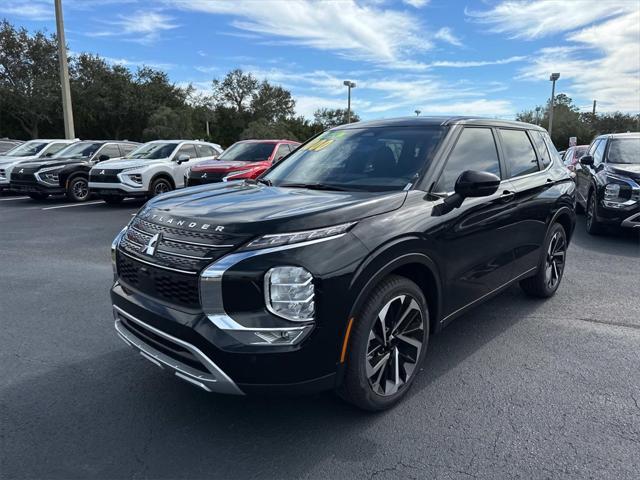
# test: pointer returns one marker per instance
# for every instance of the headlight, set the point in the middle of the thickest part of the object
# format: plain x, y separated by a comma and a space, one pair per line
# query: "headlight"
239, 173
114, 247
49, 175
289, 292
275, 240
135, 177
620, 192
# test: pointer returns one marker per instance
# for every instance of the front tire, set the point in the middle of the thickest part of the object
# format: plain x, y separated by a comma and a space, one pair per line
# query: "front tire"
38, 195
387, 346
78, 189
594, 227
160, 186
551, 266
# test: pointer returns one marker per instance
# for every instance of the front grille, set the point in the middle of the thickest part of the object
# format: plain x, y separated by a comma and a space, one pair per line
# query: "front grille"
109, 176
26, 176
196, 178
171, 273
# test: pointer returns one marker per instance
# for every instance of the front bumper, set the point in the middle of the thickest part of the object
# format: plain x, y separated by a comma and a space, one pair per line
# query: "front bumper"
633, 221
625, 217
31, 187
117, 189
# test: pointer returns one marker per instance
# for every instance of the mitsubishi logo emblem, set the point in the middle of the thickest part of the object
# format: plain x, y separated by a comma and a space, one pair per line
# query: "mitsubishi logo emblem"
152, 245
21, 170
101, 172
204, 175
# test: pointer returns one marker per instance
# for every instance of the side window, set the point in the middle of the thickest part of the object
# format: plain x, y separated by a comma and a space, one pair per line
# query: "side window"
283, 150
520, 156
551, 148
125, 148
110, 150
53, 148
474, 150
592, 148
205, 151
598, 155
541, 147
188, 149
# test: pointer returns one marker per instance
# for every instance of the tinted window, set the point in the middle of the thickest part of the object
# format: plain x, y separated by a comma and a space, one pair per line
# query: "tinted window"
248, 151
79, 150
188, 149
551, 148
592, 148
153, 150
598, 155
53, 148
125, 148
28, 149
282, 151
474, 150
624, 150
110, 151
538, 139
205, 151
519, 154
370, 159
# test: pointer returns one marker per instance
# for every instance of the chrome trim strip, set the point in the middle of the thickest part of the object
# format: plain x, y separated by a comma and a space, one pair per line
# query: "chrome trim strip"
218, 381
213, 274
166, 252
487, 294
155, 264
633, 221
183, 241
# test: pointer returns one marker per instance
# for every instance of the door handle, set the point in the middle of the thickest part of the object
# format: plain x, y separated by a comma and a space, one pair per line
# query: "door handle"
507, 195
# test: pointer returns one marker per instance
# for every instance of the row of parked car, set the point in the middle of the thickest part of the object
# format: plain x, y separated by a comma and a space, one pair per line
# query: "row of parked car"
113, 170
607, 175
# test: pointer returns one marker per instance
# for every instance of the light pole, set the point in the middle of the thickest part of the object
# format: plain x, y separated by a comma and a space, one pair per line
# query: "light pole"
349, 84
553, 78
418, 112
538, 115
67, 110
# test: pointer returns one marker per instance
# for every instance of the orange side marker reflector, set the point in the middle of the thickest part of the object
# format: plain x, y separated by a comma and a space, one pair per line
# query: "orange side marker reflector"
346, 341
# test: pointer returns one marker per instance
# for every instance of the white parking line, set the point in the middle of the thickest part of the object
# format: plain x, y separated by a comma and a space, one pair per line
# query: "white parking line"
73, 205
13, 198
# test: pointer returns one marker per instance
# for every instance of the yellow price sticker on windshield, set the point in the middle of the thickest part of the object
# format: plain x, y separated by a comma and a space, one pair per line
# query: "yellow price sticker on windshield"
318, 144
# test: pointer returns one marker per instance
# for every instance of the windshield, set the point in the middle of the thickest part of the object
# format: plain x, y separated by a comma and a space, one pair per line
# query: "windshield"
371, 159
247, 152
624, 150
152, 151
27, 149
78, 150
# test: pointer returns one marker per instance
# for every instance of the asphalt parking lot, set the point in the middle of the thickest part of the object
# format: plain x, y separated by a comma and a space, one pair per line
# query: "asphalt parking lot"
519, 388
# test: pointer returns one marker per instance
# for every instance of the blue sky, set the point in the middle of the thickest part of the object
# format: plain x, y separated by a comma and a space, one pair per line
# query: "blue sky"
487, 57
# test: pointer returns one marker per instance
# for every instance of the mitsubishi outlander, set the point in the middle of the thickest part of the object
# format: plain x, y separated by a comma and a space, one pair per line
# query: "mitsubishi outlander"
333, 269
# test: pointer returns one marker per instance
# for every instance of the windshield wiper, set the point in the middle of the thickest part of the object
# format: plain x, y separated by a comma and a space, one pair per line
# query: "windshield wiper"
314, 186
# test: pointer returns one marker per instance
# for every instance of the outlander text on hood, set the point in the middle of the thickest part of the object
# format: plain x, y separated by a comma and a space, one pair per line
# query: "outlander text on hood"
332, 269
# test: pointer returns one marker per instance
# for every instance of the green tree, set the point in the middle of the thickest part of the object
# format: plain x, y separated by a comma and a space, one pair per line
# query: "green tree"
263, 129
30, 92
272, 103
330, 117
168, 123
236, 89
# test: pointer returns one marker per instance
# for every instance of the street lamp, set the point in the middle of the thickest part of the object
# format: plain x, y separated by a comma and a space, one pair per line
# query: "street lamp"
553, 78
418, 112
67, 110
349, 84
538, 108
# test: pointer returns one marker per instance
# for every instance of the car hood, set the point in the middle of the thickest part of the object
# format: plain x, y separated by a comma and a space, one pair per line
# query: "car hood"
255, 209
57, 162
4, 161
631, 170
120, 163
220, 166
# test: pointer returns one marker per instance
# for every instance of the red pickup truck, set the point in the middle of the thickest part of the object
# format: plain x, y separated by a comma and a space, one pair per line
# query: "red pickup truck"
244, 159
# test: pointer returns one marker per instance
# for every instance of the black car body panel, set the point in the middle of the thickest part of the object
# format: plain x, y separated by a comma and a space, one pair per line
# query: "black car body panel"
459, 256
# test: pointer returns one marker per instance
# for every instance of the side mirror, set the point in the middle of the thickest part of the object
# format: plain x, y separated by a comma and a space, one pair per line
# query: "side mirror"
103, 157
472, 183
48, 154
183, 157
586, 160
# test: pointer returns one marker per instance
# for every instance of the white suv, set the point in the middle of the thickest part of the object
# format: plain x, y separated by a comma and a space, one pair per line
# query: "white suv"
151, 169
28, 152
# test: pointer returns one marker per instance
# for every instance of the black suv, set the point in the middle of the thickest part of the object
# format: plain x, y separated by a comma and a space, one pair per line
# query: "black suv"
608, 180
332, 269
67, 172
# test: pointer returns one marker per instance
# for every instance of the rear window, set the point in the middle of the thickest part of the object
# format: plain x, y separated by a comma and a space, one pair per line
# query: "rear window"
538, 139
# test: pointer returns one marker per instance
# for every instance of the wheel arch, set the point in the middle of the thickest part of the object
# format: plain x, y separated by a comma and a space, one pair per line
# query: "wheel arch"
565, 217
164, 175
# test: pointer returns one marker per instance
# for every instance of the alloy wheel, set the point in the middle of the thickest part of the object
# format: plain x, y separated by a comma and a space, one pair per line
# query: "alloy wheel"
591, 206
80, 189
555, 260
395, 342
161, 187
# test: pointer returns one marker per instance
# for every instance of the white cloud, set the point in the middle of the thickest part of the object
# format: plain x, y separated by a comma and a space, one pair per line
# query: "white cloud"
530, 19
127, 62
355, 30
602, 63
416, 3
477, 63
446, 35
142, 26
33, 10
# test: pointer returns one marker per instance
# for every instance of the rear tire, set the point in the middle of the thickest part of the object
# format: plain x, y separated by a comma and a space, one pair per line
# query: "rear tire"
387, 345
38, 196
78, 189
113, 200
550, 267
160, 186
594, 227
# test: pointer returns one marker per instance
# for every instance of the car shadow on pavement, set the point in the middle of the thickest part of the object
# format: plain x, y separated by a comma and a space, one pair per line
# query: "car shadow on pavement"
117, 416
613, 241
